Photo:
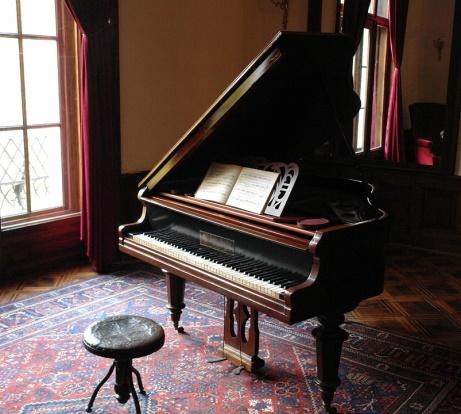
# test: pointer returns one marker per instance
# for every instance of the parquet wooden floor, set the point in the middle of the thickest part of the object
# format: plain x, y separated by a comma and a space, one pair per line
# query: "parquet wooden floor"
422, 295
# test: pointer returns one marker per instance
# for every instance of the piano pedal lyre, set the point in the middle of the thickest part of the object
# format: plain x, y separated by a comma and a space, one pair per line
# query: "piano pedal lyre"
241, 345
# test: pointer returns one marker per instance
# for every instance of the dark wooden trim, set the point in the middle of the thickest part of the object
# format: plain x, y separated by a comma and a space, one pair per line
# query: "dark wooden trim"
314, 16
41, 247
44, 246
130, 207
448, 158
69, 108
424, 207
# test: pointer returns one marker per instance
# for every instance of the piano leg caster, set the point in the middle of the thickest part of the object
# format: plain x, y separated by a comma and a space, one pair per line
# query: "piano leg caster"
329, 339
175, 288
178, 329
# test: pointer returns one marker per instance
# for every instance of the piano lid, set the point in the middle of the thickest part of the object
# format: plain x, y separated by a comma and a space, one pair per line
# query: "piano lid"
287, 103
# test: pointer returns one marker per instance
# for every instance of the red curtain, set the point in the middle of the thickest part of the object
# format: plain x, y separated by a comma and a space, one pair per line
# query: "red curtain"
354, 18
100, 126
394, 147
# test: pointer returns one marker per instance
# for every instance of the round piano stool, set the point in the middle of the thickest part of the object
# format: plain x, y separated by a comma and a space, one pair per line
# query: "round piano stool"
123, 338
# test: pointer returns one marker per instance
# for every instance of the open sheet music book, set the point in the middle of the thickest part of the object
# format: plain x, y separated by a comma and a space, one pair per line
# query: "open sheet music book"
242, 187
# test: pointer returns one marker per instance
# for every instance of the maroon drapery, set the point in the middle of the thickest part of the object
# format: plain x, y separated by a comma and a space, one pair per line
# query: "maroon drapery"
394, 147
354, 18
100, 126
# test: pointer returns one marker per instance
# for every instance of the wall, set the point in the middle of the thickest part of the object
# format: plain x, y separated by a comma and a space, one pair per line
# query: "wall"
328, 15
176, 57
424, 76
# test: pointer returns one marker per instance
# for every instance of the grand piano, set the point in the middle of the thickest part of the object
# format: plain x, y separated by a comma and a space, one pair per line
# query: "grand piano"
294, 103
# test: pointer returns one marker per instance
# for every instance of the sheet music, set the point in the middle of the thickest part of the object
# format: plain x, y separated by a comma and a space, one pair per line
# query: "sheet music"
218, 182
252, 189
245, 188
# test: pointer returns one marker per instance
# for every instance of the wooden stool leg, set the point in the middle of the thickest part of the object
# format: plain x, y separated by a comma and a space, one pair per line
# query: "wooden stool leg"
98, 387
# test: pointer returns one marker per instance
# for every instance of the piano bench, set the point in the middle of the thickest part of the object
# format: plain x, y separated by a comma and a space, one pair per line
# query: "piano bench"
123, 338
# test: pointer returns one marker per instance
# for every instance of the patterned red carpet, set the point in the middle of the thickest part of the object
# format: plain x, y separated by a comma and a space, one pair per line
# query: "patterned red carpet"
44, 368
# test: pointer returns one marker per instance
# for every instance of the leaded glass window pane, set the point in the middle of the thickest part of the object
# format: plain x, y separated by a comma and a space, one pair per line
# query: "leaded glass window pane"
45, 168
13, 199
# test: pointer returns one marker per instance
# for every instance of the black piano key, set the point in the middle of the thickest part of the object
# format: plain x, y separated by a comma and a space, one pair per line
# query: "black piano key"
245, 266
291, 284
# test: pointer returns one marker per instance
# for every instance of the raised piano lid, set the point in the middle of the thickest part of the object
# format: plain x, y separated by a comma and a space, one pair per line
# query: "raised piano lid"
288, 102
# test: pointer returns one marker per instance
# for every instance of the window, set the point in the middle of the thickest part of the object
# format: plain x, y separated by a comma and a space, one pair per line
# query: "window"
371, 70
38, 111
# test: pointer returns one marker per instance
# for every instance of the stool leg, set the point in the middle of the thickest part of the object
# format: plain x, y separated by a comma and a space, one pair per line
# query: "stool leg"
98, 387
138, 376
133, 393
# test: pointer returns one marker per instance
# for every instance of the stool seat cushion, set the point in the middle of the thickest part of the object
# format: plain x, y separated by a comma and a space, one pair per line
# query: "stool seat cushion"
123, 337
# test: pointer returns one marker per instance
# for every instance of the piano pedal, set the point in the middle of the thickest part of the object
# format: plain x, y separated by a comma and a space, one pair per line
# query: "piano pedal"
214, 360
238, 370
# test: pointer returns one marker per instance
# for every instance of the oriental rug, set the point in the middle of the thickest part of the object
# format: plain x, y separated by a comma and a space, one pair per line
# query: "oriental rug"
44, 368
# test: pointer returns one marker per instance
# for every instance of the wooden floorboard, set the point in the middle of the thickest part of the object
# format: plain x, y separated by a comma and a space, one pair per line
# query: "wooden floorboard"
422, 295
14, 289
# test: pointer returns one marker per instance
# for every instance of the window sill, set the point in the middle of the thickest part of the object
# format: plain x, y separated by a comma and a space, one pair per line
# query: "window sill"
35, 221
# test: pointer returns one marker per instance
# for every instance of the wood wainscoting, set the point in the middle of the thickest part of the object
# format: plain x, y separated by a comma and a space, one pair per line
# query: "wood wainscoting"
424, 207
40, 247
425, 211
46, 246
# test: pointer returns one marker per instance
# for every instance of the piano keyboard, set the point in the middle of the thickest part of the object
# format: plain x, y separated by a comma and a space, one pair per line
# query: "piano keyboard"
246, 271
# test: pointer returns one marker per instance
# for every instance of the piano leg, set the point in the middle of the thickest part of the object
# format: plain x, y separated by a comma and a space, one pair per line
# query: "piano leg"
329, 339
175, 288
241, 345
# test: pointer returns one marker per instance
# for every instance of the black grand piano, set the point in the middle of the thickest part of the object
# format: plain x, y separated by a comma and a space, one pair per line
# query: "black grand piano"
322, 256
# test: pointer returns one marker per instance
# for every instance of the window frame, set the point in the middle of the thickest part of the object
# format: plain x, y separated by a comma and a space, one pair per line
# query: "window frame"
373, 22
67, 48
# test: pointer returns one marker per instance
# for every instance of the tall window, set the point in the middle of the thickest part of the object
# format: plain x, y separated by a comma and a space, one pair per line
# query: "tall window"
38, 111
371, 70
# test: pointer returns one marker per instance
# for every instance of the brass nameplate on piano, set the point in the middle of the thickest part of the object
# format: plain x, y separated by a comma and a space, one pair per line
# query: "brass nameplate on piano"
216, 242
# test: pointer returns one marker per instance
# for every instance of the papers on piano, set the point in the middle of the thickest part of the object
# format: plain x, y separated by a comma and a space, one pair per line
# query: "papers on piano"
242, 187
